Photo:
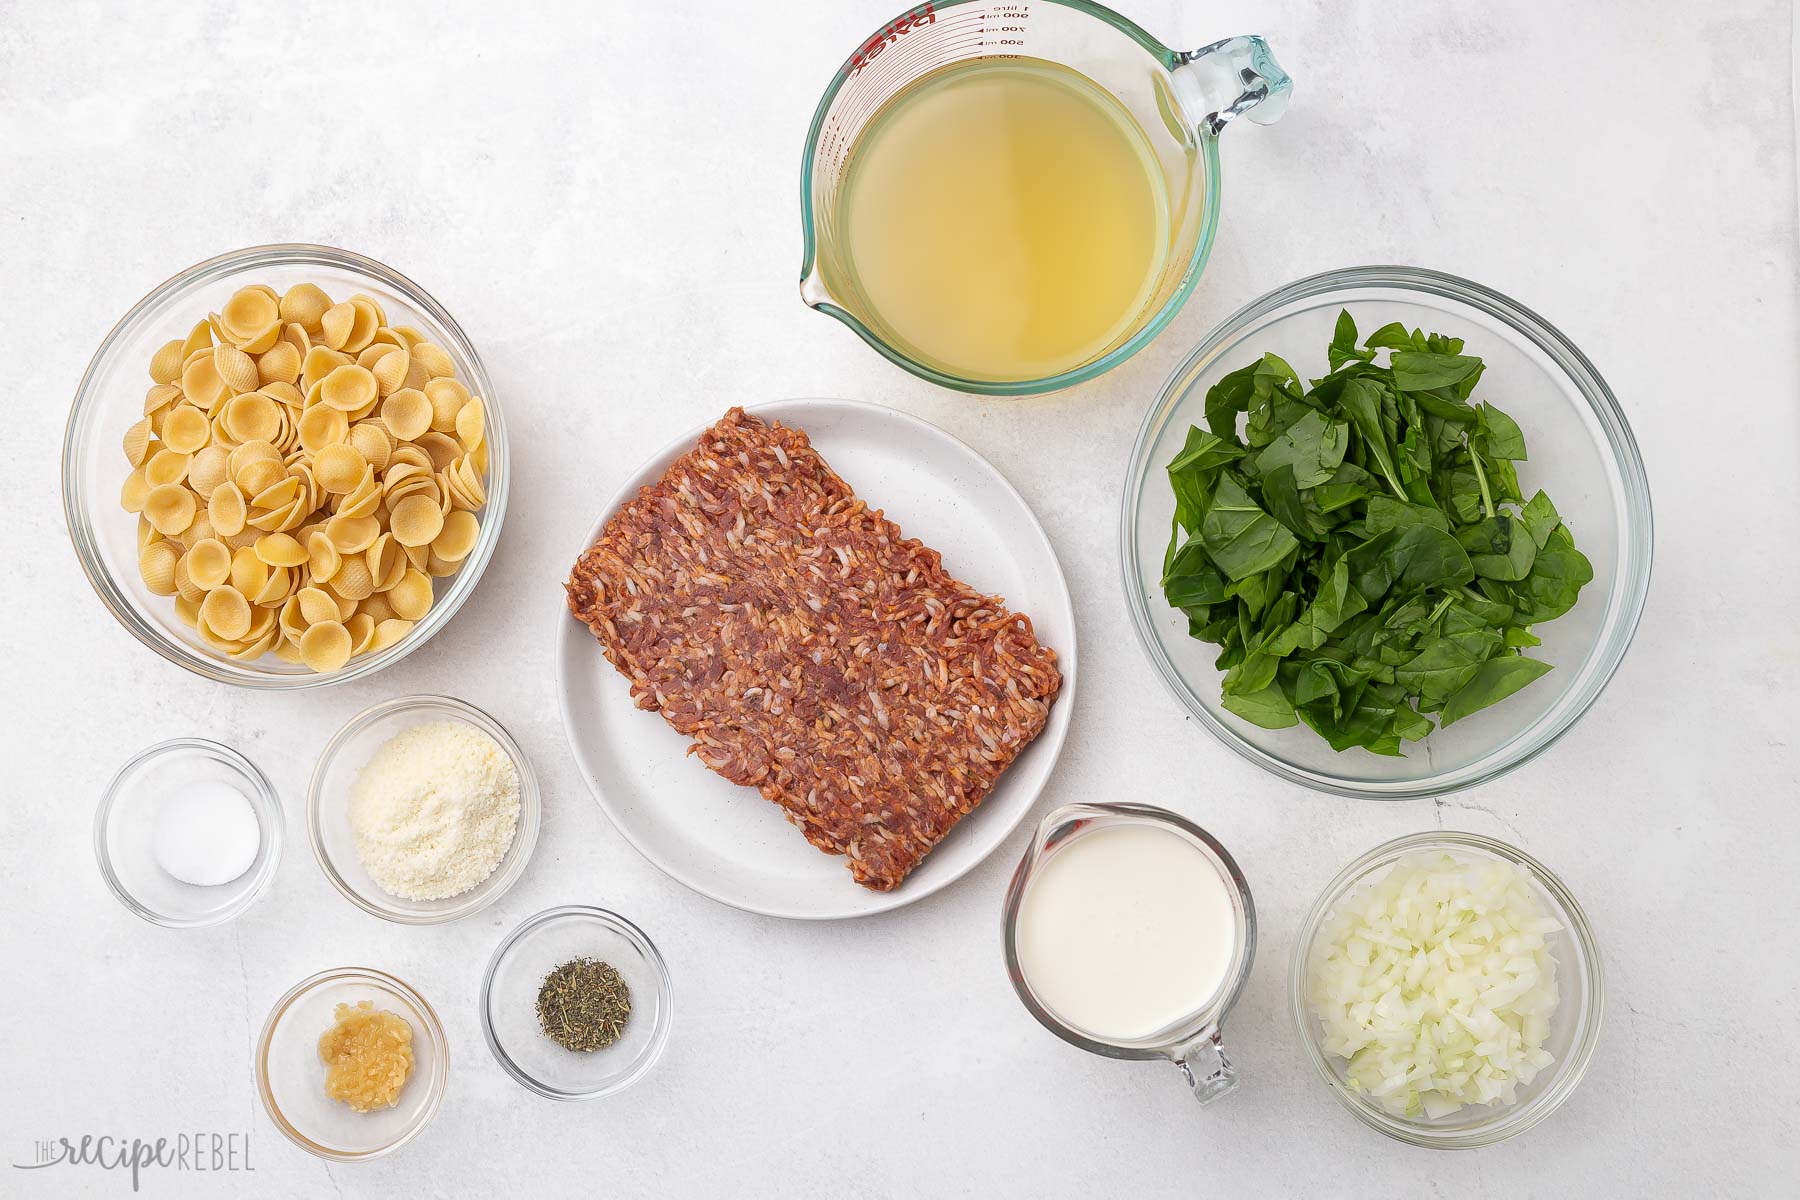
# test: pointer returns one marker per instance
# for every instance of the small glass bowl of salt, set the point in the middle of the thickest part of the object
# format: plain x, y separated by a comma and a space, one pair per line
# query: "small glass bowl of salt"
188, 833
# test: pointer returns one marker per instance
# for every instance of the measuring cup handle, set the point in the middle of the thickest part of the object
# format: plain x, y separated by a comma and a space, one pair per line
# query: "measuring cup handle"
1236, 77
1206, 1067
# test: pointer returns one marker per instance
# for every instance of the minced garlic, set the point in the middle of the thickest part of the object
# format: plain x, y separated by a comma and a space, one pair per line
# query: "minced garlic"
367, 1055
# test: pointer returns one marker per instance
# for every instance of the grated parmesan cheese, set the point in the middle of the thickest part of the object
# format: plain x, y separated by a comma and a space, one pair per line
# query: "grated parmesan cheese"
434, 810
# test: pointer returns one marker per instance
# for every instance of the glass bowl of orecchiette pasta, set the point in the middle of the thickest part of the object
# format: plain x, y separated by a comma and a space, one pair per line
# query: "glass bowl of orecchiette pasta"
285, 467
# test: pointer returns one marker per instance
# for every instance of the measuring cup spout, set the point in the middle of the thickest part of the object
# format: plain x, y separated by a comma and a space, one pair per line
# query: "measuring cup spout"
1236, 77
813, 290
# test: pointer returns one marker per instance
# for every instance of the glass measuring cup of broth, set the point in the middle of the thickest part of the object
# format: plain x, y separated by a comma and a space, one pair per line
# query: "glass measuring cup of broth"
1012, 198
1129, 932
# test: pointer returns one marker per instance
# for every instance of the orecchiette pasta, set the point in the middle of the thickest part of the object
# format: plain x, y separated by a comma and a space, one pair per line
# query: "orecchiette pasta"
185, 586
352, 535
137, 443
348, 388
279, 364
389, 368
388, 632
372, 440
321, 426
251, 319
323, 559
407, 414
165, 364
302, 473
387, 562
354, 580
416, 520
236, 368
166, 466
156, 563
200, 381
226, 613
457, 537
160, 397
170, 507
134, 492
303, 305
280, 550
339, 468
435, 359
377, 607
209, 469
185, 429
411, 597
325, 646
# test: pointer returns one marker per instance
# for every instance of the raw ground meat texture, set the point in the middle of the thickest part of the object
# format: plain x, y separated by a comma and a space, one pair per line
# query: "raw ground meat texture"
810, 650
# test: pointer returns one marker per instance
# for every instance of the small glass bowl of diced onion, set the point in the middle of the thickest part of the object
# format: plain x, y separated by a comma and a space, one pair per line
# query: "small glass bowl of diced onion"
1496, 1022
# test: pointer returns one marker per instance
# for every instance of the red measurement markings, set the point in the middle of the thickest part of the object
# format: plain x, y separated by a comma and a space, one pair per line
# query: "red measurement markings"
867, 93
901, 52
905, 54
908, 51
900, 69
891, 33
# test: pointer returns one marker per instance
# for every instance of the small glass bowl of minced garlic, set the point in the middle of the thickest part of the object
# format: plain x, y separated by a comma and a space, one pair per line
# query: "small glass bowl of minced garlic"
352, 1064
577, 1003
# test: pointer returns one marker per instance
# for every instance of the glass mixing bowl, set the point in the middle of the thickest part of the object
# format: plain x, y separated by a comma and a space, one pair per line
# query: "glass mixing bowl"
1582, 454
111, 398
1574, 1028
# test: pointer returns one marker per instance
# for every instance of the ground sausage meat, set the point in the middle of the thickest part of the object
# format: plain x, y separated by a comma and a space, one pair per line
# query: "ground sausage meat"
810, 650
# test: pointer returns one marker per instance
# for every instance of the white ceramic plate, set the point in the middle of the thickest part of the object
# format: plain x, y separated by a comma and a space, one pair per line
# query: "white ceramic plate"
726, 841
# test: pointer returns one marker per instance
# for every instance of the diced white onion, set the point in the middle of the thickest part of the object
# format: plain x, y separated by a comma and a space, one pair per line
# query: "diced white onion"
1436, 984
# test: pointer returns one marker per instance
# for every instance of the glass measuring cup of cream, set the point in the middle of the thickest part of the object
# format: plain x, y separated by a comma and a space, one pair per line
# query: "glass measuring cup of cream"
1129, 932
1013, 198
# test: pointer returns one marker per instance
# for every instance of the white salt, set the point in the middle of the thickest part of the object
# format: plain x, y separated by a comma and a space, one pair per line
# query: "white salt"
206, 834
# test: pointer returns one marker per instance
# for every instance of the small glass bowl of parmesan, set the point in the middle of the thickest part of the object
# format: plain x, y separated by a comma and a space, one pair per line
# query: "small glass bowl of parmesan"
1445, 935
422, 809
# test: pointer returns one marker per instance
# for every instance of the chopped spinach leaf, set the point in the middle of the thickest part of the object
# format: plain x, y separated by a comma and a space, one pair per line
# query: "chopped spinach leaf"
1360, 549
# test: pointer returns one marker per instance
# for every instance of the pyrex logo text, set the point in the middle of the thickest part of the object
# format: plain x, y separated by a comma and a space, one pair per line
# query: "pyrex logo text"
890, 33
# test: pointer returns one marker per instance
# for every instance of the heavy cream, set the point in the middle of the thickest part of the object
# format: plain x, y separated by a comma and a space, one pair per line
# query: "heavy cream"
1126, 929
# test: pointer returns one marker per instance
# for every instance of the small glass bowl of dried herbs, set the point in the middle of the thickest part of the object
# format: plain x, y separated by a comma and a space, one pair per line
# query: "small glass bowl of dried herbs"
576, 1003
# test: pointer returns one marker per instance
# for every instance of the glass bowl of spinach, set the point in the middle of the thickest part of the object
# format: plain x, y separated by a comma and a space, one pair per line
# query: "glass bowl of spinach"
1386, 533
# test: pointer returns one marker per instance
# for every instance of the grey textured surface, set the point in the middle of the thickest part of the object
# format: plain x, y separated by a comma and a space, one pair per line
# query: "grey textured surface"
606, 201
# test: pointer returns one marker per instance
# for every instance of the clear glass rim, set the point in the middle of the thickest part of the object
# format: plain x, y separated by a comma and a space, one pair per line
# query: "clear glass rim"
1637, 524
665, 1009
518, 855
78, 518
356, 975
1570, 1070
1207, 145
1167, 1043
265, 797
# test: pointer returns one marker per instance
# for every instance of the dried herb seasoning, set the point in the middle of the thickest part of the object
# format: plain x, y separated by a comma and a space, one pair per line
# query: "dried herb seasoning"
583, 1004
